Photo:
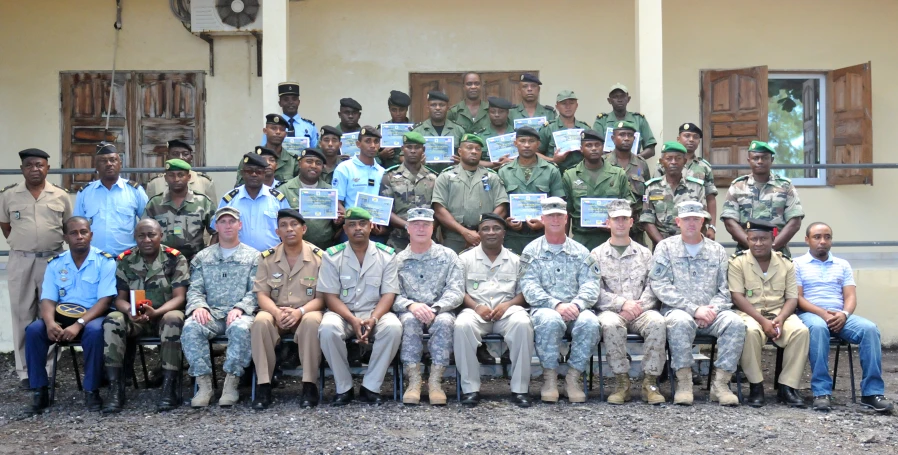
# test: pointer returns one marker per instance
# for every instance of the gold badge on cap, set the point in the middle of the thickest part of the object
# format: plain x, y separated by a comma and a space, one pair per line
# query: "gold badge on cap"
620, 124
747, 225
522, 77
276, 119
303, 153
246, 159
167, 166
686, 126
582, 135
258, 150
362, 132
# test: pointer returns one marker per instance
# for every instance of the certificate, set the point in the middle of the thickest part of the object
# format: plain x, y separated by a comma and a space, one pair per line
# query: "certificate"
500, 146
439, 149
567, 140
535, 122
526, 207
295, 145
594, 212
391, 133
318, 203
609, 143
379, 207
349, 147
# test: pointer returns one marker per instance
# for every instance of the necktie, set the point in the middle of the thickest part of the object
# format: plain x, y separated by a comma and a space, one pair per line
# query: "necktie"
291, 132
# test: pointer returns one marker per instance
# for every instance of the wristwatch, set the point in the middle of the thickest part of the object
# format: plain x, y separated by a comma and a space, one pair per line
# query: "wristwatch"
845, 313
711, 227
302, 310
81, 321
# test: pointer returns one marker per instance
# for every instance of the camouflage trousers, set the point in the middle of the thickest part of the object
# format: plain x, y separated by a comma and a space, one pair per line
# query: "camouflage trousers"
440, 344
549, 328
195, 342
727, 327
118, 328
649, 325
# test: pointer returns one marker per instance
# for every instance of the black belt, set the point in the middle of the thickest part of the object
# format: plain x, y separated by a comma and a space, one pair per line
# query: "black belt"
37, 254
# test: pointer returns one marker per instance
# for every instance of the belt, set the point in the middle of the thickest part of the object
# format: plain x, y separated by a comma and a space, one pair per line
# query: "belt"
38, 254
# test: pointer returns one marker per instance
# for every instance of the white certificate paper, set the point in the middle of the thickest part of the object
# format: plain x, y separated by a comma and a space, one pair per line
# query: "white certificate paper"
534, 122
526, 207
499, 146
349, 147
594, 212
295, 145
439, 149
391, 133
567, 140
379, 207
318, 203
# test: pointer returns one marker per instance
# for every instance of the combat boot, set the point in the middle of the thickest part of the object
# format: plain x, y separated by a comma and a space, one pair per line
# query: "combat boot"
574, 386
168, 398
621, 394
117, 387
412, 393
435, 385
650, 392
229, 394
549, 392
720, 389
683, 395
203, 391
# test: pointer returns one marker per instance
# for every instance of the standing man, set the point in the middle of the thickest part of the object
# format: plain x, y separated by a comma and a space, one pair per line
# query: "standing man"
762, 283
271, 157
561, 286
329, 144
288, 99
163, 274
628, 305
437, 124
591, 178
465, 191
493, 303
318, 232
690, 136
361, 173
528, 174
765, 196
359, 282
566, 105
618, 98
471, 113
349, 114
498, 125
398, 103
199, 182
111, 204
529, 88
220, 301
637, 169
665, 192
431, 286
258, 204
31, 217
689, 277
285, 167
183, 214
410, 184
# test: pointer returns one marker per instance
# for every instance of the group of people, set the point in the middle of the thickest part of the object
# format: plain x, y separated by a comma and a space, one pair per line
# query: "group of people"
179, 263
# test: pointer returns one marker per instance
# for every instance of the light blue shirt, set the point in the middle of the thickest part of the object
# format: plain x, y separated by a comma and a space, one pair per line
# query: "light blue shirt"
66, 283
113, 213
259, 216
352, 177
822, 281
300, 127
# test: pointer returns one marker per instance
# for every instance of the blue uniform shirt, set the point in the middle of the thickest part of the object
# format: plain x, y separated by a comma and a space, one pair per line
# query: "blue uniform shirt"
352, 177
65, 283
299, 127
259, 216
113, 213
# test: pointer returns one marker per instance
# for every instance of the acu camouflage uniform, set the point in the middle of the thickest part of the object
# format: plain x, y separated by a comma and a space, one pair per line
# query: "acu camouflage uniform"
775, 202
408, 191
183, 227
659, 206
319, 232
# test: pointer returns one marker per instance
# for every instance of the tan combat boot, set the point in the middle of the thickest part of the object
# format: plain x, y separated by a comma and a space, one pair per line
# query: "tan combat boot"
203, 392
650, 392
435, 385
229, 394
412, 394
574, 386
621, 394
683, 394
720, 389
549, 392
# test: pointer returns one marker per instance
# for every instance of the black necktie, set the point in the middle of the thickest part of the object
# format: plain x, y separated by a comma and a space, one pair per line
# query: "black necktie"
291, 132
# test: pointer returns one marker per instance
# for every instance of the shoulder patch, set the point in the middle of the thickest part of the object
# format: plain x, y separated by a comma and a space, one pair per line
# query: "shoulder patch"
107, 255
336, 249
8, 187
268, 252
783, 256
201, 174
134, 183
54, 257
695, 180
311, 122
781, 178
447, 169
705, 161
172, 251
637, 113
57, 186
124, 253
230, 195
602, 115
431, 170
277, 194
737, 254
280, 184
741, 177
388, 249
317, 251
655, 180
549, 108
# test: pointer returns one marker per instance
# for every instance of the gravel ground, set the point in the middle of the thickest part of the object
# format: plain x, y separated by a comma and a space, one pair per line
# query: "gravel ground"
495, 426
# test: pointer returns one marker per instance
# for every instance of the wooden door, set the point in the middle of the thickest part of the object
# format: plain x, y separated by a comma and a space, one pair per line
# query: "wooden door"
809, 103
495, 83
850, 119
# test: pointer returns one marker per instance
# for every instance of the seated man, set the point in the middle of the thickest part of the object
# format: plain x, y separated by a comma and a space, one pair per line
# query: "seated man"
762, 283
163, 274
827, 297
689, 277
288, 303
359, 283
431, 286
561, 289
78, 284
627, 304
220, 301
493, 303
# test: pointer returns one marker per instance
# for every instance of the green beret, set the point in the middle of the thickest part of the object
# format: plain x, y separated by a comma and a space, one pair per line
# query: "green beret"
468, 137
413, 137
357, 213
625, 125
177, 165
761, 147
673, 146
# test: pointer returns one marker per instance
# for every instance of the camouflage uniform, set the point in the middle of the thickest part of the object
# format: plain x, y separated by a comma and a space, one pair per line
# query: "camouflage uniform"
775, 202
200, 183
168, 271
683, 284
220, 285
183, 227
700, 169
319, 232
625, 277
659, 206
556, 274
545, 179
408, 191
436, 279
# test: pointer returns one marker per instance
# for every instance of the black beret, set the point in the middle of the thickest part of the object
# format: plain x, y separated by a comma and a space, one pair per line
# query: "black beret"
692, 128
399, 98
105, 149
759, 225
591, 135
492, 217
275, 119
437, 95
350, 103
310, 152
37, 153
370, 131
527, 77
291, 213
327, 129
176, 143
254, 159
288, 88
265, 151
526, 131
500, 103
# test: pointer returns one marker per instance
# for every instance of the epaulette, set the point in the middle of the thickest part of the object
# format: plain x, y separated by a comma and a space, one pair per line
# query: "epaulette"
277, 194
8, 187
171, 251
466, 250
388, 249
336, 249
317, 251
741, 177
656, 179
54, 257
391, 168
57, 186
448, 168
267, 253
280, 184
637, 113
780, 253
124, 253
311, 122
162, 194
549, 108
780, 177
695, 180
417, 125
105, 254
204, 175
134, 183
429, 169
230, 195
705, 161
602, 115
737, 254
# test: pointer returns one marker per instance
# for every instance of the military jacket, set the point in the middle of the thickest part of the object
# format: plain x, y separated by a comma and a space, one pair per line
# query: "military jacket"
542, 110
637, 170
36, 224
289, 287
408, 191
359, 286
492, 282
683, 282
612, 183
449, 129
319, 232
550, 278
646, 138
467, 195
659, 206
221, 284
776, 201
168, 270
623, 276
460, 115
183, 227
766, 292
435, 278
199, 183
547, 142
700, 169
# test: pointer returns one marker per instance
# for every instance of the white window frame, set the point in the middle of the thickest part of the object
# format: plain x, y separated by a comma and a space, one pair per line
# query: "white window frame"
822, 144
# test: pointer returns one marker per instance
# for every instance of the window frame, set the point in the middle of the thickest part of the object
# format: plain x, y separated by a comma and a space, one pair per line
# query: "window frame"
822, 117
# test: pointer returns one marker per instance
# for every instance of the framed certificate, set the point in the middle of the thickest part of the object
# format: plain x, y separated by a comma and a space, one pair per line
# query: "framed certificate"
567, 140
379, 207
535, 122
349, 147
318, 203
609, 143
391, 133
594, 212
500, 146
439, 149
526, 206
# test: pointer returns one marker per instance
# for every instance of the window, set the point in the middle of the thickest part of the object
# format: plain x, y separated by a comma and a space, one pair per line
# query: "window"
795, 113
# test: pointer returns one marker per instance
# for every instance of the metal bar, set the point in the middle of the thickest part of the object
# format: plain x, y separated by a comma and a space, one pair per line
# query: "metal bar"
125, 170
812, 166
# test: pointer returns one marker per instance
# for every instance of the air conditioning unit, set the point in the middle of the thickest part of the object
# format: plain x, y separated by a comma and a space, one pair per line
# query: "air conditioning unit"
225, 17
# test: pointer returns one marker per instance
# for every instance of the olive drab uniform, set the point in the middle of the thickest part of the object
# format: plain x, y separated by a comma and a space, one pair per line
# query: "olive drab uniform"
467, 195
460, 115
609, 182
450, 129
542, 110
200, 183
541, 178
183, 227
408, 191
547, 142
646, 138
659, 205
638, 173
319, 232
776, 202
287, 168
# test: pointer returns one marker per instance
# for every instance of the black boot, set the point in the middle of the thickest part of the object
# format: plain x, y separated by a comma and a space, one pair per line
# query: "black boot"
788, 395
756, 395
369, 396
93, 401
342, 399
117, 387
309, 395
263, 397
168, 398
40, 401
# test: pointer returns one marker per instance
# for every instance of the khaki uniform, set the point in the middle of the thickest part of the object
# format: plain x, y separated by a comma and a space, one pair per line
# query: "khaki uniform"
287, 168
319, 232
547, 142
767, 293
359, 287
775, 201
291, 288
35, 237
199, 183
659, 205
646, 138
611, 183
449, 129
542, 110
408, 191
467, 195
460, 114
544, 179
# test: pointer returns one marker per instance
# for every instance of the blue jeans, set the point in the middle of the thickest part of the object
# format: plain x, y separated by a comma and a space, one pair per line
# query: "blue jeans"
37, 344
857, 331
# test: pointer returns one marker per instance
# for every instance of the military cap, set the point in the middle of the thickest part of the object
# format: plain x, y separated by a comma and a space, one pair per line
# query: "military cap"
565, 95
177, 165
327, 129
176, 143
553, 204
437, 95
104, 148
619, 207
275, 119
291, 213
673, 146
420, 214
37, 153
254, 159
527, 77
761, 147
413, 137
468, 137
591, 135
357, 213
526, 131
690, 208
398, 98
265, 151
313, 153
625, 125
228, 210
500, 103
370, 131
692, 128
350, 103
753, 224
288, 88
490, 216
620, 87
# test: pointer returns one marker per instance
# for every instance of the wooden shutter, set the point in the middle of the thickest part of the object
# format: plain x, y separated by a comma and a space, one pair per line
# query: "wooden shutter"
850, 124
809, 93
734, 113
495, 83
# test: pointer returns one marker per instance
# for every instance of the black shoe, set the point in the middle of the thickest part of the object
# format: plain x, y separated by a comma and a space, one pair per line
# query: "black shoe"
342, 399
788, 395
168, 398
484, 356
263, 397
40, 401
878, 403
470, 400
354, 355
370, 397
521, 400
756, 395
309, 395
823, 403
93, 401
117, 388
24, 384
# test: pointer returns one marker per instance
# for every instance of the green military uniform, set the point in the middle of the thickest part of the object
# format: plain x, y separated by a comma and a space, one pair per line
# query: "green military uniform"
610, 182
467, 195
183, 226
199, 183
699, 168
449, 129
339, 128
659, 206
287, 168
547, 142
541, 178
408, 190
319, 232
542, 110
637, 173
774, 201
460, 115
646, 138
